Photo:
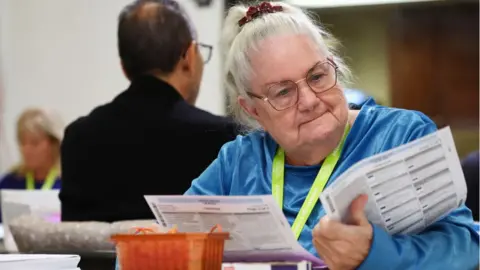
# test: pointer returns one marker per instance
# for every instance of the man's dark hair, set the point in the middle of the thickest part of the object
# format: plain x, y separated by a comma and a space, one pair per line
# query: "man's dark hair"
153, 35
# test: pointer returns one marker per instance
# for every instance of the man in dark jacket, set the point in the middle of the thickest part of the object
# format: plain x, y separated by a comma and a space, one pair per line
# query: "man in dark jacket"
150, 139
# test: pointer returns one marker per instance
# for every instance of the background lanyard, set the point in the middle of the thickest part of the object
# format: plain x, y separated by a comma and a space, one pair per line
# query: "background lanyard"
47, 183
278, 170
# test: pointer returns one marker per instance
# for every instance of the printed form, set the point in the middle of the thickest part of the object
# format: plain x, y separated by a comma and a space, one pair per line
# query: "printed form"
258, 229
409, 187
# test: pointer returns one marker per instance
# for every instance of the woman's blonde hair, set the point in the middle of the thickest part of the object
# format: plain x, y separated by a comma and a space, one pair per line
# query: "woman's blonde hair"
36, 120
237, 41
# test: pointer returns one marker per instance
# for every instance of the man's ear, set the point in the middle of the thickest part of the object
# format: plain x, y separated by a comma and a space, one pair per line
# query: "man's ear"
248, 107
124, 71
187, 62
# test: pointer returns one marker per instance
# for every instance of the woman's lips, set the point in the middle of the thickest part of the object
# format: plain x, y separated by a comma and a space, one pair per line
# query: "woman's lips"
311, 120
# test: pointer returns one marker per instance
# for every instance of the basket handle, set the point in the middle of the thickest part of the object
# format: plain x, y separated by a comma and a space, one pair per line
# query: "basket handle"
216, 228
142, 230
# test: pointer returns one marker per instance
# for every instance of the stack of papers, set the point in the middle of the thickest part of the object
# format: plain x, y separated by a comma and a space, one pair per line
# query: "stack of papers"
38, 262
16, 203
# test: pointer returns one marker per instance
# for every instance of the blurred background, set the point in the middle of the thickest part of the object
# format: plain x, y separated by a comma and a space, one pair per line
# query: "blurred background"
420, 55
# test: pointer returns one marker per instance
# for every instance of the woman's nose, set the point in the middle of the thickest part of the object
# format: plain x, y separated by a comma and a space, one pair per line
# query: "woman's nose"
307, 99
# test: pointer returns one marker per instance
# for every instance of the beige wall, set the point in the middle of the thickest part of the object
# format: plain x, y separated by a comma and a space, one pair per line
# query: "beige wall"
362, 32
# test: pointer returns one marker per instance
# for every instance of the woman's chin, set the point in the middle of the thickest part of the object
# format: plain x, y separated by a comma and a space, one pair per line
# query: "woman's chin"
318, 133
323, 128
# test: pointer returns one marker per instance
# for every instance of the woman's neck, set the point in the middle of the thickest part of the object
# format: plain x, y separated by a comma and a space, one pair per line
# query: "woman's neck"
310, 156
41, 174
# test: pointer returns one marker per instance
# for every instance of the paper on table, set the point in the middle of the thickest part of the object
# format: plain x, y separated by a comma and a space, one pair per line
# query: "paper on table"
239, 266
38, 262
409, 187
258, 229
302, 265
16, 203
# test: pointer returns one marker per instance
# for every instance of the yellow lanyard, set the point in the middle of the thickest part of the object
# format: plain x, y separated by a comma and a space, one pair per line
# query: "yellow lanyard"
278, 170
47, 184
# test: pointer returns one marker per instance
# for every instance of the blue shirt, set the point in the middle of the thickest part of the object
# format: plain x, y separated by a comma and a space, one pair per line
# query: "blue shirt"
244, 166
15, 181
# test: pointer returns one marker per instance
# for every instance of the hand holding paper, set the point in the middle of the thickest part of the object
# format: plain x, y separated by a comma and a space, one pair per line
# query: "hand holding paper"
409, 187
344, 246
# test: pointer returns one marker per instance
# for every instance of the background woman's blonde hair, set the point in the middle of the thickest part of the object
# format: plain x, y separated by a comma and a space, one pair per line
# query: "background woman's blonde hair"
36, 120
237, 41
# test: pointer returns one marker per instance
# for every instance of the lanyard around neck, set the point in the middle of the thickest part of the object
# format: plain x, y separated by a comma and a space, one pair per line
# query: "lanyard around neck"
47, 183
321, 180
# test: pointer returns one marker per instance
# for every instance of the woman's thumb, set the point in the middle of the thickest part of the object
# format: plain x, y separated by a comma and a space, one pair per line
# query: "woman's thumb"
357, 210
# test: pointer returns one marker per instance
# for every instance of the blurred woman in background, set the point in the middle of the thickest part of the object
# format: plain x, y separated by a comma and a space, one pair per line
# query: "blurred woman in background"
39, 134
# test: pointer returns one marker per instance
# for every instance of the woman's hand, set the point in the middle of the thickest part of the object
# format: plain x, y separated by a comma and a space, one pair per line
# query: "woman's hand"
343, 246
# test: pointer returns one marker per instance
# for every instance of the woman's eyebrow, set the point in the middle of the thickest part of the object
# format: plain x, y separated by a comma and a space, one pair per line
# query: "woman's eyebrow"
268, 84
276, 82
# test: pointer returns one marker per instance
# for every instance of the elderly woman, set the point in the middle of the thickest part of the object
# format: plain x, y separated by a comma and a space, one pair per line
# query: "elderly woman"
285, 83
39, 134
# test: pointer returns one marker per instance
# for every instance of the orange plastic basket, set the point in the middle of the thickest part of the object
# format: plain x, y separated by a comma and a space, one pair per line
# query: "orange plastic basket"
170, 251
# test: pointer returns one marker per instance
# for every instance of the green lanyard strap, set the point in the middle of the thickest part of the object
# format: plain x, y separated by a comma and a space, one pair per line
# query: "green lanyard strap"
47, 184
278, 171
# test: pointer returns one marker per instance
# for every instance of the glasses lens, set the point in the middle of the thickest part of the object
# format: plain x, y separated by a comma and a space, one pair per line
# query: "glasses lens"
205, 52
283, 95
322, 77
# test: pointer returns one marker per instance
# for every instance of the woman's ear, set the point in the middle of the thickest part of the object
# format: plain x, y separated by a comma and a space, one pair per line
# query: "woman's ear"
330, 58
248, 107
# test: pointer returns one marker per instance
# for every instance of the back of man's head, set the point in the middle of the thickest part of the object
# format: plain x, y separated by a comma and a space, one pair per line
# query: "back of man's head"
152, 36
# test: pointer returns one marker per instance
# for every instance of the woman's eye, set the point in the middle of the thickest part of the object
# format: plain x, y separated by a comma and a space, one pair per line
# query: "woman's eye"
316, 77
283, 92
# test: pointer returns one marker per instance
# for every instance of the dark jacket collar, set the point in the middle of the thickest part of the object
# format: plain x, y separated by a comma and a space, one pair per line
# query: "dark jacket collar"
152, 89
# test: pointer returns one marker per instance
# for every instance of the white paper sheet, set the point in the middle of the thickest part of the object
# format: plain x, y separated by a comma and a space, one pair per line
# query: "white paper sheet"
15, 203
304, 265
38, 262
409, 187
258, 229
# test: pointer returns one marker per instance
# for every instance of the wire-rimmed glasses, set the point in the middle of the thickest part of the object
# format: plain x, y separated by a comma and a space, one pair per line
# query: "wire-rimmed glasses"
283, 95
205, 51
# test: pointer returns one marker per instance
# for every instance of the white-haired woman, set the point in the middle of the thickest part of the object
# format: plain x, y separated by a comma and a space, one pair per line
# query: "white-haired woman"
39, 134
285, 82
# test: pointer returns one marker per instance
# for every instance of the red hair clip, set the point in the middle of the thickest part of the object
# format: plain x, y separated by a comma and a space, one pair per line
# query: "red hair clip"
255, 11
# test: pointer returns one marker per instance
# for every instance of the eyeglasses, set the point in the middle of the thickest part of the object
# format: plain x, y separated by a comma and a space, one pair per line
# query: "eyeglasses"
205, 51
283, 95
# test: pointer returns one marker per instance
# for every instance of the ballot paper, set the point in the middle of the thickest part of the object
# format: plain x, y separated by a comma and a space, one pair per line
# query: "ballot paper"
259, 232
409, 187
